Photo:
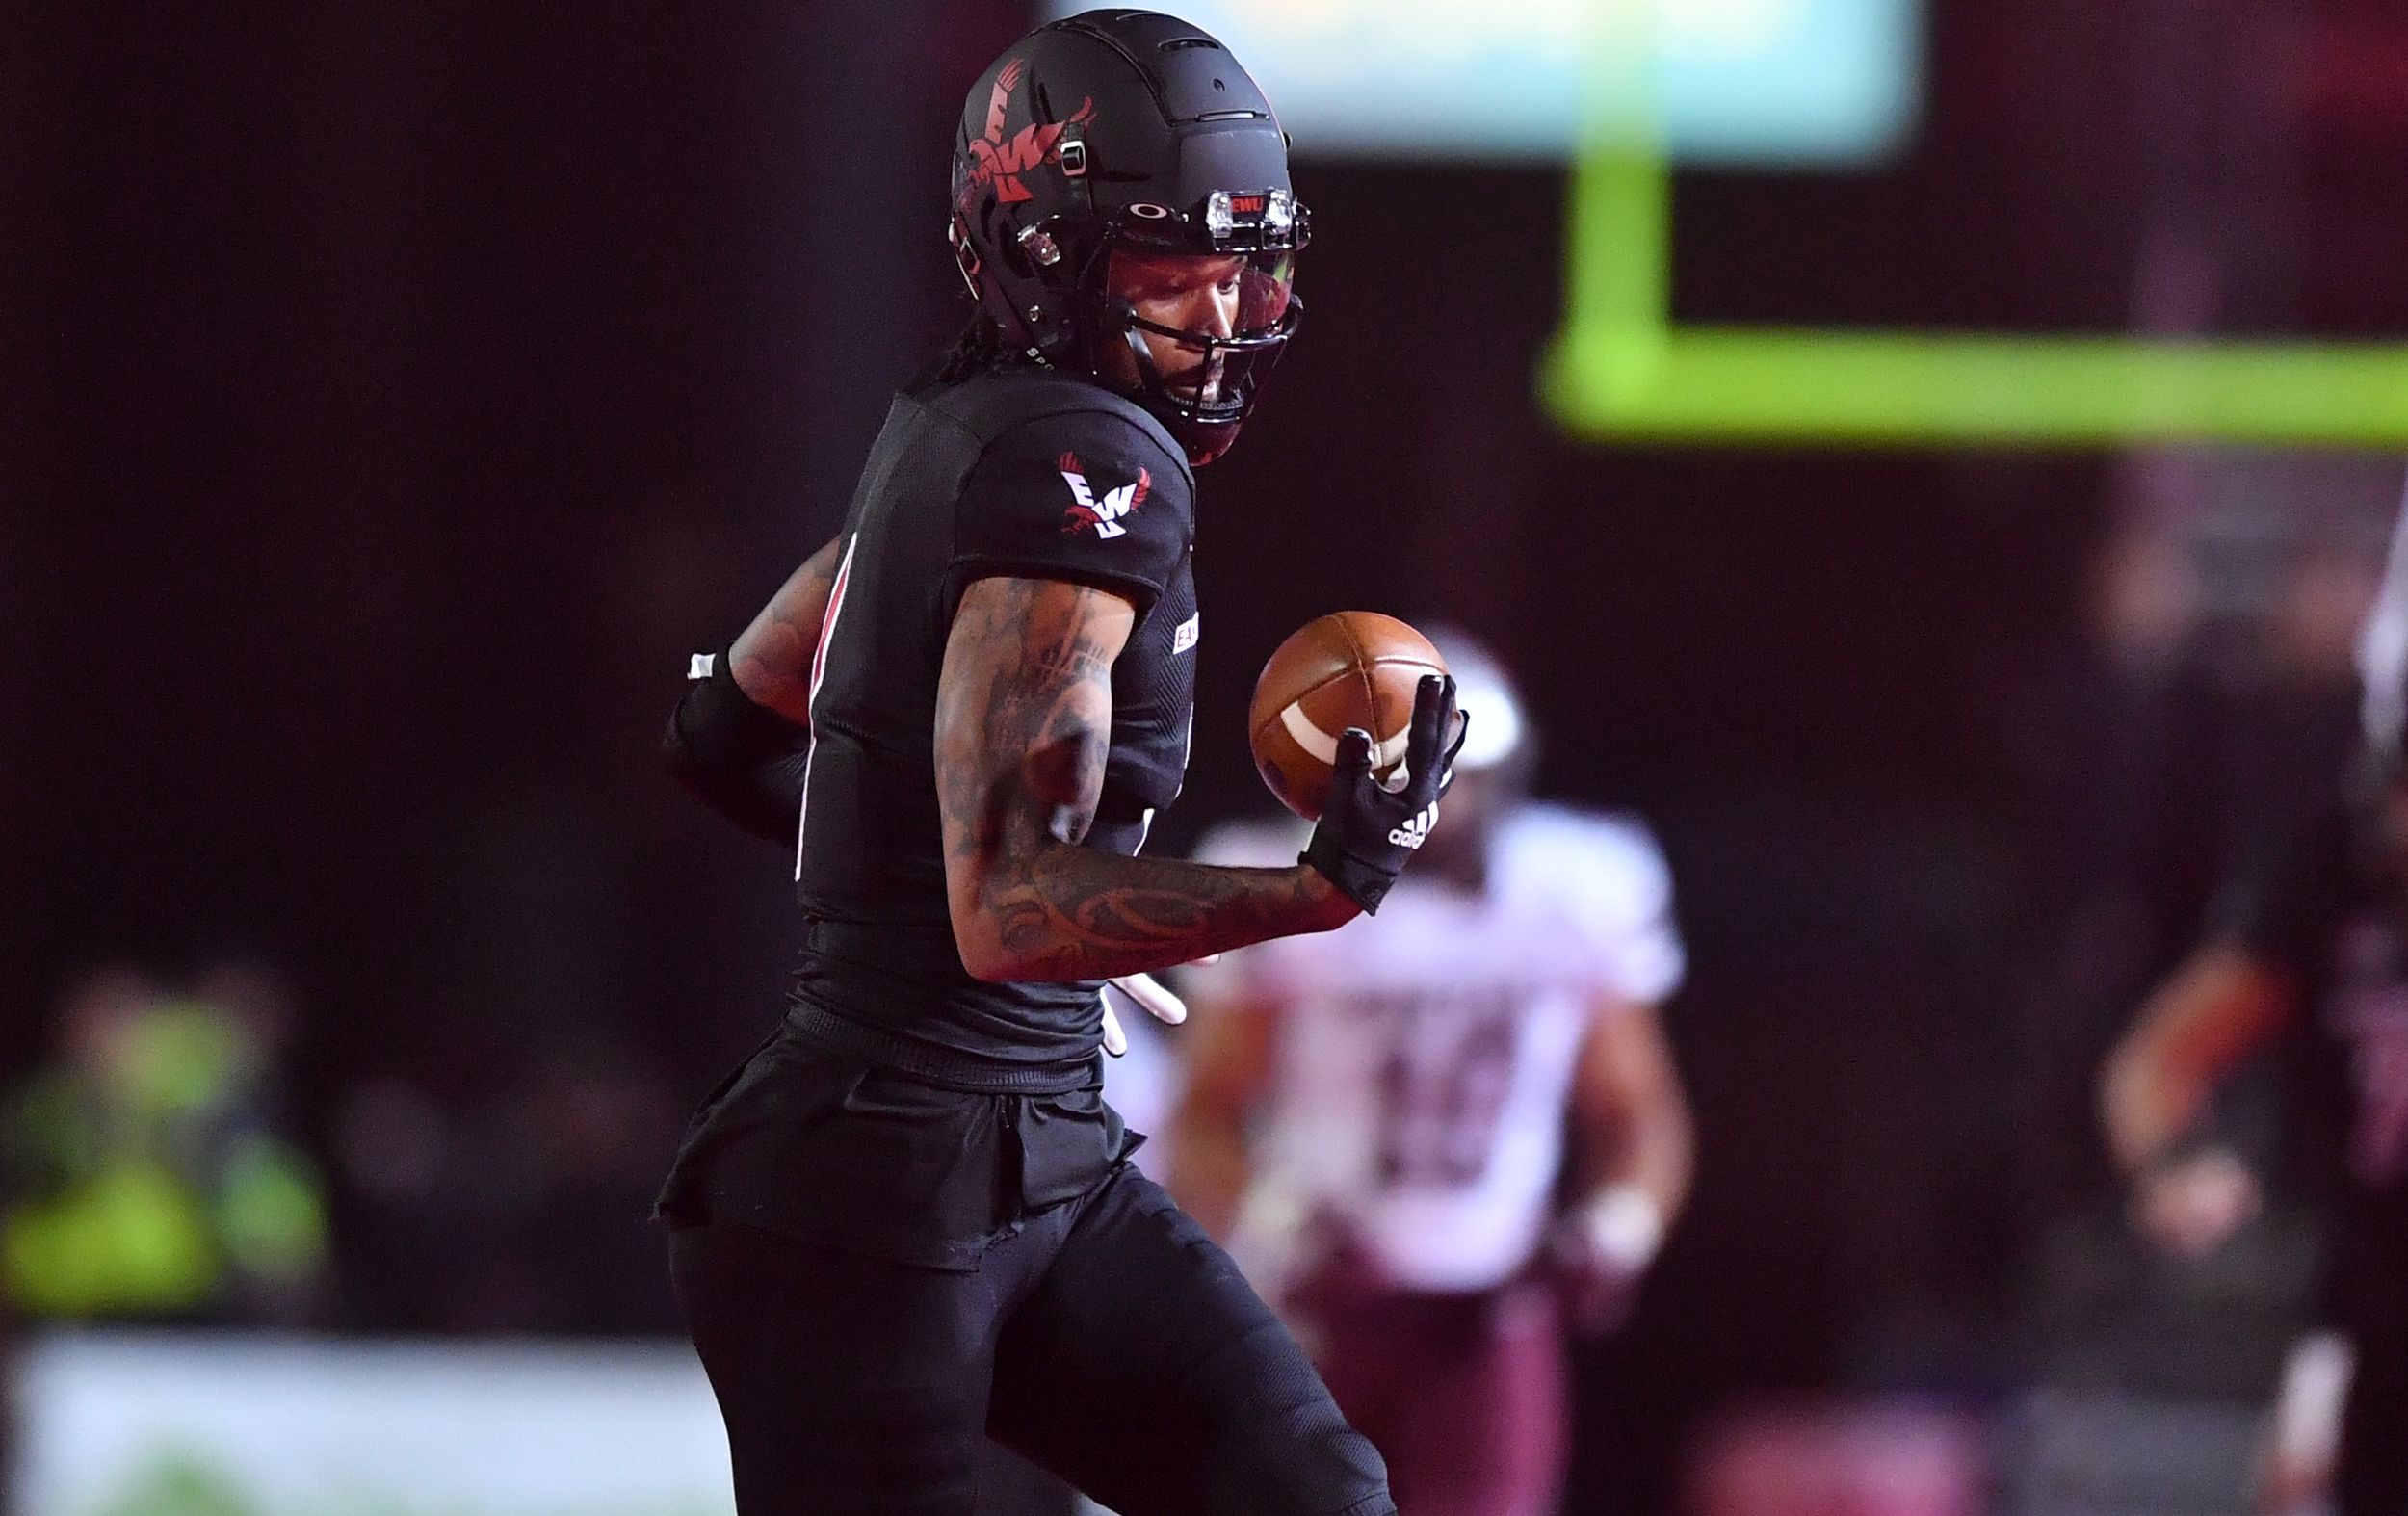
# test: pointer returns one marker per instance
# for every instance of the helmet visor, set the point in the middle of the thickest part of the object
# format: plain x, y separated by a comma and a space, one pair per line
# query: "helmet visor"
1201, 325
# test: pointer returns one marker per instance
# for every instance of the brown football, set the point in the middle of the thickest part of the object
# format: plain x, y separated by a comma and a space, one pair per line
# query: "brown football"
1354, 669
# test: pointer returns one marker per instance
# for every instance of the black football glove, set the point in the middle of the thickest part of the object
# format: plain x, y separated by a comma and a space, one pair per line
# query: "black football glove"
1366, 830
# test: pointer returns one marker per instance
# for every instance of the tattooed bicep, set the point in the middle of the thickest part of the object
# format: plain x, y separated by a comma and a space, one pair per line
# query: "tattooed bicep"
771, 658
1024, 711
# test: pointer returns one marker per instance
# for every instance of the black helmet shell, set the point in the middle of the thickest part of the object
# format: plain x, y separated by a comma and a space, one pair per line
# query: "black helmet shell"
1124, 128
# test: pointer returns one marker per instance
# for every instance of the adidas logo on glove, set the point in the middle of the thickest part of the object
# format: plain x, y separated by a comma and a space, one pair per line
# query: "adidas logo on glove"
1416, 829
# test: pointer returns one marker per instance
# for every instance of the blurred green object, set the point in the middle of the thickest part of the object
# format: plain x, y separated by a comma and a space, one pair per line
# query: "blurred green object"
181, 1486
126, 1239
270, 1219
145, 1184
1621, 368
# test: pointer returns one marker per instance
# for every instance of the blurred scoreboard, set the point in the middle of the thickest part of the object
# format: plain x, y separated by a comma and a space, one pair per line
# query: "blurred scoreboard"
1810, 83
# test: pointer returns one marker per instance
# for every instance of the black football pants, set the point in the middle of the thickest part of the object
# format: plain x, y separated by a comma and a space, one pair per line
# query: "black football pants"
1109, 1339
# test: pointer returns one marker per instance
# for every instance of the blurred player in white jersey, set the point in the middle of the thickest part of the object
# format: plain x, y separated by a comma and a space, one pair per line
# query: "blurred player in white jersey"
1376, 1119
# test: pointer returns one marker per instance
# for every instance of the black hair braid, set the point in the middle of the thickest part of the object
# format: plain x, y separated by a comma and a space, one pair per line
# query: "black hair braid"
979, 347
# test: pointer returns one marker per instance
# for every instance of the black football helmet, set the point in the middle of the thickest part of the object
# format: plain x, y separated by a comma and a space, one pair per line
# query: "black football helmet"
1134, 130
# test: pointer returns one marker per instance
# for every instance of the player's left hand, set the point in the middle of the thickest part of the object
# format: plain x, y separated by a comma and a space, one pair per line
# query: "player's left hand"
1368, 830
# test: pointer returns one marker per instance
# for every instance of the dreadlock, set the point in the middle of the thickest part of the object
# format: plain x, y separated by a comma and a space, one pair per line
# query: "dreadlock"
979, 347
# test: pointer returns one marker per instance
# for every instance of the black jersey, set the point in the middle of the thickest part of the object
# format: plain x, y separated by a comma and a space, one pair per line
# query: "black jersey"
903, 1109
2326, 909
1015, 471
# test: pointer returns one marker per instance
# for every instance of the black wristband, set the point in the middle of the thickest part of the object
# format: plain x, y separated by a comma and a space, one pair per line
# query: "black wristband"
1358, 881
741, 759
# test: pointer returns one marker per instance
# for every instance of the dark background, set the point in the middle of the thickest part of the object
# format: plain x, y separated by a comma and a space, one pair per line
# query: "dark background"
391, 397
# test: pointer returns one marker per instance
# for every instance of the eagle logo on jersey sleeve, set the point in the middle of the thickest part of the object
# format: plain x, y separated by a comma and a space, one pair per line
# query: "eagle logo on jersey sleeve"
1103, 512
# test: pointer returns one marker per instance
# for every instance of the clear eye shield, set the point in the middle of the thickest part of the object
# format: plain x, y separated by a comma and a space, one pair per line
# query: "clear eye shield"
1261, 232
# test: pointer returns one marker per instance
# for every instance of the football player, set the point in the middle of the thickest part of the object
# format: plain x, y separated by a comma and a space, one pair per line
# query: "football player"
907, 1222
2310, 942
1376, 1119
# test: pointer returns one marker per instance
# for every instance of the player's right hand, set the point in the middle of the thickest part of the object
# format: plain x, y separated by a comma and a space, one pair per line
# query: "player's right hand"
1149, 995
1597, 1254
2192, 1206
1367, 830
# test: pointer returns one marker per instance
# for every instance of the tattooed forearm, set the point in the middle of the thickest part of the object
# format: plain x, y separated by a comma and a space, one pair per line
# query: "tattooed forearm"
771, 660
1072, 913
1024, 725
